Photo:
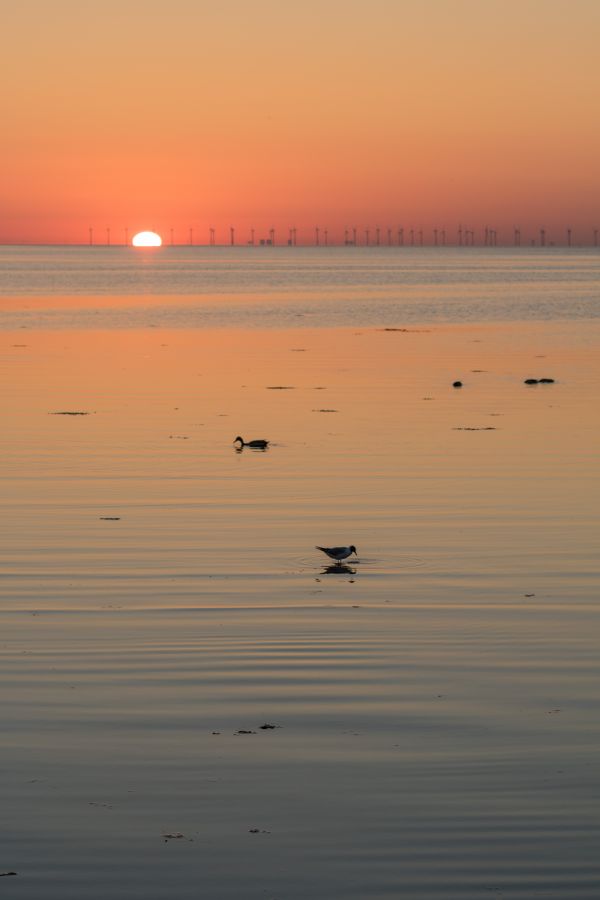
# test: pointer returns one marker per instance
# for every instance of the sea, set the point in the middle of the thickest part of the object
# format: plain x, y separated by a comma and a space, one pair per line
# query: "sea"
196, 701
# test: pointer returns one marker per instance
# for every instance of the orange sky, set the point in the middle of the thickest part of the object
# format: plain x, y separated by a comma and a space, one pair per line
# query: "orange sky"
339, 112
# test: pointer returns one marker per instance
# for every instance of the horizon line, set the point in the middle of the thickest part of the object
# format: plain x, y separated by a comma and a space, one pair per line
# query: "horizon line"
424, 245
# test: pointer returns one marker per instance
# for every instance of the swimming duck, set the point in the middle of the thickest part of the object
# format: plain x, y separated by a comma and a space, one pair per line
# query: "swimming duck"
256, 445
338, 553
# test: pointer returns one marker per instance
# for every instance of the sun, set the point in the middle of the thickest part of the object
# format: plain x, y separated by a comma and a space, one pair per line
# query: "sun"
146, 239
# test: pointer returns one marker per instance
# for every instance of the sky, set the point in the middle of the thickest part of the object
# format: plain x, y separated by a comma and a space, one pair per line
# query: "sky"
125, 114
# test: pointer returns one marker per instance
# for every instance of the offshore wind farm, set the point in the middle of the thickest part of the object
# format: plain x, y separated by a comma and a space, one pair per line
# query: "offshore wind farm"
459, 236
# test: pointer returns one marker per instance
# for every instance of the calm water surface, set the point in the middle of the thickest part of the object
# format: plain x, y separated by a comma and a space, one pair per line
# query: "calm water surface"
186, 287
160, 592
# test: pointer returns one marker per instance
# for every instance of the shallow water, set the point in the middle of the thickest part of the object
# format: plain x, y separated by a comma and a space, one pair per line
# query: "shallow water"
437, 699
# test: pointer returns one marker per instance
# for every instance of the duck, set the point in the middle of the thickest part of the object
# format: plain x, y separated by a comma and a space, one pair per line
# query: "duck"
256, 445
338, 553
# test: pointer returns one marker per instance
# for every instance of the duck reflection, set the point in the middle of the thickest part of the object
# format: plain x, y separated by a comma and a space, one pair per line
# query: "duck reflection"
240, 449
338, 569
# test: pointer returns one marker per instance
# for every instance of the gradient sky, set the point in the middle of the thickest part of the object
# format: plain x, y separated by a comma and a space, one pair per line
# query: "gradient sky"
193, 114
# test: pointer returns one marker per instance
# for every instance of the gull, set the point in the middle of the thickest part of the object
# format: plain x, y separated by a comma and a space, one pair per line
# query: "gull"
338, 553
256, 445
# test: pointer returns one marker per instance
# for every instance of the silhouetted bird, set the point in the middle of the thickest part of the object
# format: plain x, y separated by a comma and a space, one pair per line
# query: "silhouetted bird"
338, 553
256, 445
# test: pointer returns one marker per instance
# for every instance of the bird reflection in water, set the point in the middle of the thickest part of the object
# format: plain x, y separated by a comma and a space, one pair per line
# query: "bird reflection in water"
338, 569
242, 447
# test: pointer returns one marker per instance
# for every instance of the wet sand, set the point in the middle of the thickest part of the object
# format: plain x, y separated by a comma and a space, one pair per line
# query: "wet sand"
436, 702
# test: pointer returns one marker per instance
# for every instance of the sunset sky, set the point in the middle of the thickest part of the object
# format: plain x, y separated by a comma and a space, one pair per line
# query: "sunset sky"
338, 112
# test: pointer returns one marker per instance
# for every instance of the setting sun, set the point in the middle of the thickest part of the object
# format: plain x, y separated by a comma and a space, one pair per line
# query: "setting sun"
146, 239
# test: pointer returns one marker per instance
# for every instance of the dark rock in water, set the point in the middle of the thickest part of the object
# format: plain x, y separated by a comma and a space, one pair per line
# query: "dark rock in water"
546, 380
407, 330
69, 413
267, 726
3, 874
457, 384
110, 518
531, 381
244, 731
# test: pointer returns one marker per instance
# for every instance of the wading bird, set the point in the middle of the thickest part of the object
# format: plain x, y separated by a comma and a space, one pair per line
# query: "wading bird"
338, 553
